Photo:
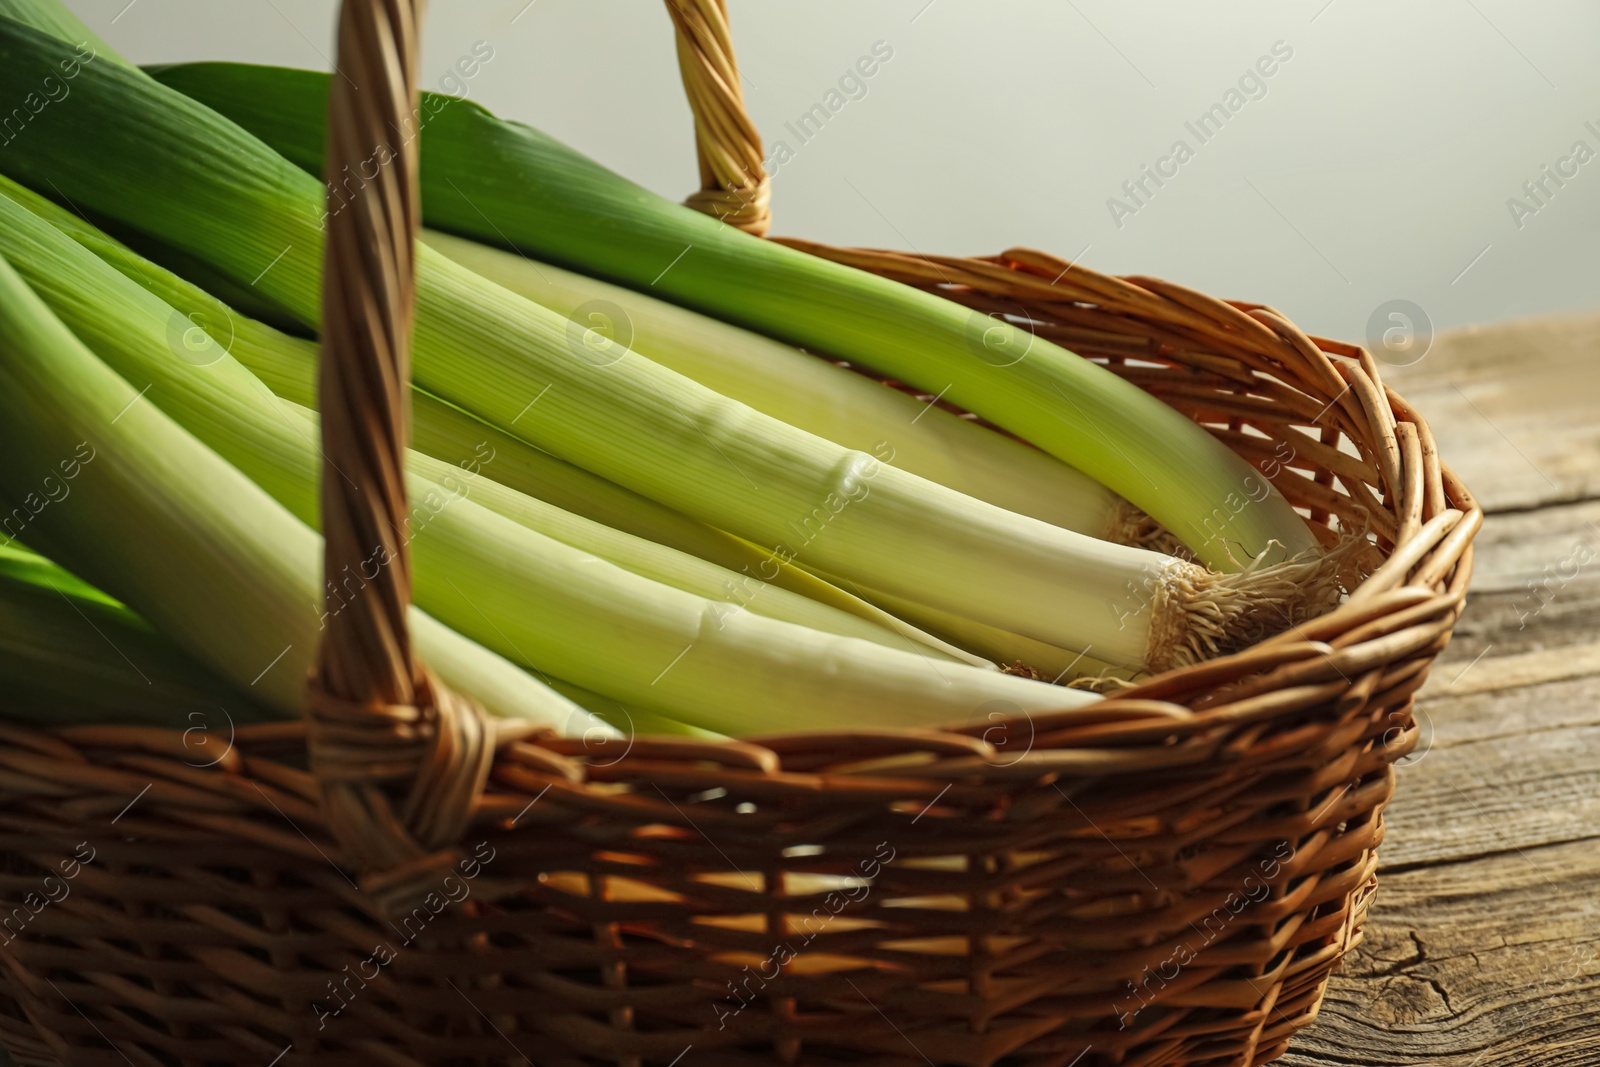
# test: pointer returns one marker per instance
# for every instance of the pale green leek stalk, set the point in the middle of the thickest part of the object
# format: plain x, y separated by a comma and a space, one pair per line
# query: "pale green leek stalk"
630, 720
832, 402
504, 183
139, 152
202, 330
69, 654
530, 597
635, 554
167, 527
1056, 665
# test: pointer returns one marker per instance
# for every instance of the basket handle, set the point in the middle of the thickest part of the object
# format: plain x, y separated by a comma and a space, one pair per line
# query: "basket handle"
734, 185
400, 759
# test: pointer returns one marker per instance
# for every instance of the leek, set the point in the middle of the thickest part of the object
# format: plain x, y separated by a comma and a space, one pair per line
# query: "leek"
637, 555
1056, 665
224, 196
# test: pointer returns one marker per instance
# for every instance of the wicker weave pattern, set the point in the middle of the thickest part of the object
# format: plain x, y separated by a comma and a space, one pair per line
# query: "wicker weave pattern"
1168, 881
734, 185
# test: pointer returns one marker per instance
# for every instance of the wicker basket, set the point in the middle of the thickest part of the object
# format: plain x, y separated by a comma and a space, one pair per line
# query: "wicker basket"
1169, 884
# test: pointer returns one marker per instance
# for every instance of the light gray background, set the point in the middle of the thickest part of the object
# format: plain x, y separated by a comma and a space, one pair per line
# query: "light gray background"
1377, 166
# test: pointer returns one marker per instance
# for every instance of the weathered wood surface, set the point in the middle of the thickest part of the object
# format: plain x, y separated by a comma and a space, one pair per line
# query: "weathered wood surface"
1483, 945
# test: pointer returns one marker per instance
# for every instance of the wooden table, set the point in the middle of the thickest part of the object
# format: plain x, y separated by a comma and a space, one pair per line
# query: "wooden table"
1483, 945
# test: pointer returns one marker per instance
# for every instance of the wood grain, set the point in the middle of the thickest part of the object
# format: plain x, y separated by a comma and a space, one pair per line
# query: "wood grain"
1483, 947
1493, 962
1513, 406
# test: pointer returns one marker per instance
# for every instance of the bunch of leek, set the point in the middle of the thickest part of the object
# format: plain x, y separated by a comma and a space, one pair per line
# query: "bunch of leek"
637, 494
509, 575
659, 433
